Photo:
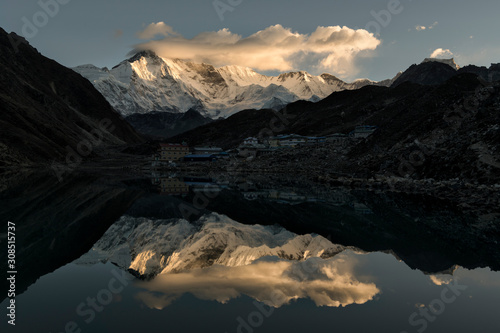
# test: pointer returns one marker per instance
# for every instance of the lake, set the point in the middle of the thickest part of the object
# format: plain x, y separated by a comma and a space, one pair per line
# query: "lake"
235, 253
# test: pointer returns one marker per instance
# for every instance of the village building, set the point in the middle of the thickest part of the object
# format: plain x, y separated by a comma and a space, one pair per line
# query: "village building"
172, 152
315, 139
200, 158
250, 147
293, 140
288, 140
247, 151
172, 186
251, 141
338, 139
207, 150
204, 185
364, 131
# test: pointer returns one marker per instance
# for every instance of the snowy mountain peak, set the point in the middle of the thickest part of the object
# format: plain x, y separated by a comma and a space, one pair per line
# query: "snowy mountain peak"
143, 54
147, 82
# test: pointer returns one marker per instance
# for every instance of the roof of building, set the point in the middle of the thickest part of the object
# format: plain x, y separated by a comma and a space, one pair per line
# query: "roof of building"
200, 156
173, 145
366, 127
336, 135
287, 136
208, 148
296, 136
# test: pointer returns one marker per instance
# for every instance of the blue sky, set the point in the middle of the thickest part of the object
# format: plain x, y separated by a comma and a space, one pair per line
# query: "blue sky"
104, 32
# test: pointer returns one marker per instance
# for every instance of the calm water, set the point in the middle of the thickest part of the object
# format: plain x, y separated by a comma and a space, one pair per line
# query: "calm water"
237, 254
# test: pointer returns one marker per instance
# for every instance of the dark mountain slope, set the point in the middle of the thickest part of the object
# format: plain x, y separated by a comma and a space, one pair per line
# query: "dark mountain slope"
450, 131
338, 113
453, 128
166, 124
46, 107
230, 132
427, 73
488, 74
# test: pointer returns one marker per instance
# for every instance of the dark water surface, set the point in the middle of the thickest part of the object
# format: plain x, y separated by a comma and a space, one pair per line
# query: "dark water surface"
236, 254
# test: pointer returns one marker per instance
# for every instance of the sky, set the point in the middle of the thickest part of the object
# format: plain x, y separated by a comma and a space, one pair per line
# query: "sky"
372, 39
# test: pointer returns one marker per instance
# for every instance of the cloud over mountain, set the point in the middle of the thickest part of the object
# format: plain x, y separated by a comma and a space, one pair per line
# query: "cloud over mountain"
276, 48
442, 53
155, 29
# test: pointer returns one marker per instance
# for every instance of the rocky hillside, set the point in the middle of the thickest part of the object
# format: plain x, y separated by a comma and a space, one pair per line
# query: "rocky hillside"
427, 73
442, 131
490, 74
47, 108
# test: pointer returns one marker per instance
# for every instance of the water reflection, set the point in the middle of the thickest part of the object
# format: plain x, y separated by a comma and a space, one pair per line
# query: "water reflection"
151, 247
219, 259
331, 283
59, 221
177, 185
309, 251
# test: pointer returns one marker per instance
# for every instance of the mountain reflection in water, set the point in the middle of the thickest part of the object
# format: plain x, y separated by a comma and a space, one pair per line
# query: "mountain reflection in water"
217, 258
329, 283
318, 255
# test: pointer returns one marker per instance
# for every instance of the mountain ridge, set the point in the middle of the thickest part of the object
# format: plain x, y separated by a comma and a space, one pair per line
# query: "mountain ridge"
146, 82
49, 111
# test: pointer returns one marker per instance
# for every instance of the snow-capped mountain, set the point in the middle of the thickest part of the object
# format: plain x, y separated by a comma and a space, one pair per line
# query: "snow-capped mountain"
147, 82
152, 247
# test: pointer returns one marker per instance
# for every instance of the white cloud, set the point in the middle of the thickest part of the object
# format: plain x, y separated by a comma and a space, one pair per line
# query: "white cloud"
440, 280
442, 53
276, 48
332, 283
423, 27
155, 29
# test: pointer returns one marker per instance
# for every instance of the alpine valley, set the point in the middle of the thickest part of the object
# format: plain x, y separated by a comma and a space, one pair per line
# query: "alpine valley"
168, 193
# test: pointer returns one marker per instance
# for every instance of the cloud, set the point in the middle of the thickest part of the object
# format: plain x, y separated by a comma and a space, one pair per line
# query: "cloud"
423, 27
276, 48
440, 280
442, 53
331, 283
155, 29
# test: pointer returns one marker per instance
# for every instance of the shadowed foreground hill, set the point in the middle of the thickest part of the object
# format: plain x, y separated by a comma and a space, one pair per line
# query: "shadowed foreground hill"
46, 107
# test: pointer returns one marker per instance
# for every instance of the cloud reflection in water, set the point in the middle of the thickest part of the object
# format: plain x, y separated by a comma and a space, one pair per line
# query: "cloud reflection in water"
270, 280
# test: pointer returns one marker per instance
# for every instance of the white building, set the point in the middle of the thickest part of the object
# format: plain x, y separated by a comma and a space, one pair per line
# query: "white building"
363, 131
207, 150
251, 141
